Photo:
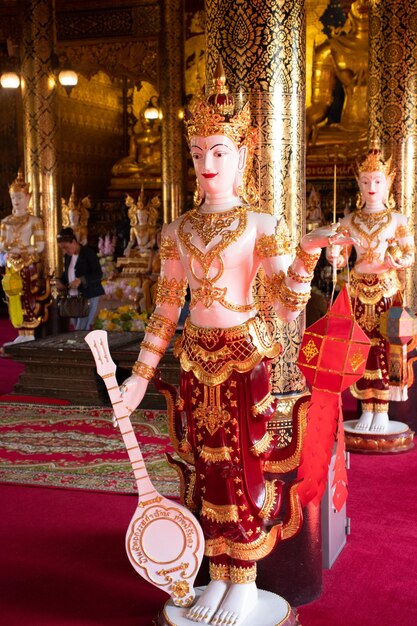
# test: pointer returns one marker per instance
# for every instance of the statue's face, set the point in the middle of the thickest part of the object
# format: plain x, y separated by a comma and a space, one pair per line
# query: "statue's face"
216, 162
142, 216
74, 217
374, 188
20, 202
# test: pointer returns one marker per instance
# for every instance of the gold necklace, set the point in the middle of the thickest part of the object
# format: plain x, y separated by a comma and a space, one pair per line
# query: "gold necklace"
371, 219
209, 225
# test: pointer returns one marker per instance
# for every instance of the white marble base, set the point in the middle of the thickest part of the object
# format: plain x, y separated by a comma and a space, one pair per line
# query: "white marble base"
397, 438
394, 428
270, 610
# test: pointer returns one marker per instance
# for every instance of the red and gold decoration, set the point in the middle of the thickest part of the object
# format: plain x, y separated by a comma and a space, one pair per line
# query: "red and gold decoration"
398, 326
332, 357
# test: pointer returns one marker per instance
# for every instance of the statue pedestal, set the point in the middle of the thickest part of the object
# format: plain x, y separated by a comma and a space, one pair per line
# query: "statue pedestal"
398, 438
270, 610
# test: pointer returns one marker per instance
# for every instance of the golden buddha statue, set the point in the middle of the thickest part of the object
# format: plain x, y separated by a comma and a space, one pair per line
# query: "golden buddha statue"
76, 216
343, 58
144, 158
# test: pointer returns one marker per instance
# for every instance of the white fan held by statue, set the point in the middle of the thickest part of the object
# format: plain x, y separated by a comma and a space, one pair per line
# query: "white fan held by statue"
164, 541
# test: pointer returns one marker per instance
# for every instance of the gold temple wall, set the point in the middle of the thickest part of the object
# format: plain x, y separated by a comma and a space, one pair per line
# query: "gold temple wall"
91, 134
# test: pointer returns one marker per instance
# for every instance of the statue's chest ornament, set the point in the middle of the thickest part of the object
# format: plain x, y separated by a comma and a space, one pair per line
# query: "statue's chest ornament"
207, 266
369, 226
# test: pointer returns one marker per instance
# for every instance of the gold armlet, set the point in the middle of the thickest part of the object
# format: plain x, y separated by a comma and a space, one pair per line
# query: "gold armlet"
168, 249
161, 326
309, 260
170, 291
298, 278
292, 300
403, 231
151, 347
143, 370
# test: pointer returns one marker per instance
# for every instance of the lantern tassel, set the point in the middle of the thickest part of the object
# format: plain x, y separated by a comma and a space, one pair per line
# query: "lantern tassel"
323, 415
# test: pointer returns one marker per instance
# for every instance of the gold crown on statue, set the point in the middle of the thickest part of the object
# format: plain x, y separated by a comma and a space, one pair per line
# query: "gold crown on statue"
19, 184
216, 114
373, 161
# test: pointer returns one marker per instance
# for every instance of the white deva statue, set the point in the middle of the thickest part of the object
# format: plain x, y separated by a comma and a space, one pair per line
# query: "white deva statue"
216, 250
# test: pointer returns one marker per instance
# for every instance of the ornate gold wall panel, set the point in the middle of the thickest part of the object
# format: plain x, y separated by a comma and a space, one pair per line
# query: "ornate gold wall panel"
136, 59
40, 116
393, 99
171, 100
262, 46
103, 23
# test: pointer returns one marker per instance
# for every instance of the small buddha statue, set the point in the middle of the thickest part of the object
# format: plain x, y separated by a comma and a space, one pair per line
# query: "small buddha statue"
142, 225
76, 216
343, 58
144, 158
22, 241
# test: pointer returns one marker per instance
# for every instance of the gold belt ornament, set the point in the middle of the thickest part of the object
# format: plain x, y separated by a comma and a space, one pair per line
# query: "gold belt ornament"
370, 288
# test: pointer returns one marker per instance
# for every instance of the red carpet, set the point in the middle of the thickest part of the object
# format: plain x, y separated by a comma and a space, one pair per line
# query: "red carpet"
78, 447
63, 561
373, 582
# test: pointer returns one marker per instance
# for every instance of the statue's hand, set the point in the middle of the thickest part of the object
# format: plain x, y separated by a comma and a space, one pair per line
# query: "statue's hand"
325, 236
132, 391
389, 262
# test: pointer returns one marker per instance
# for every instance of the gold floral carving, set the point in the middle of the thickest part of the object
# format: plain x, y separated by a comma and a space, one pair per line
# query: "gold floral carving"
261, 406
242, 575
309, 260
168, 249
215, 455
270, 499
220, 513
219, 572
252, 551
261, 446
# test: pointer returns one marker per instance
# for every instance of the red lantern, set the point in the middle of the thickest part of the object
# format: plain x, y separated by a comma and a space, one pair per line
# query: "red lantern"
332, 357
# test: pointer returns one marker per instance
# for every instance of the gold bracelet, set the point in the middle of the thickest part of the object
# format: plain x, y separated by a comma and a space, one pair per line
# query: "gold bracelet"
161, 326
170, 291
143, 370
309, 260
292, 300
297, 277
151, 347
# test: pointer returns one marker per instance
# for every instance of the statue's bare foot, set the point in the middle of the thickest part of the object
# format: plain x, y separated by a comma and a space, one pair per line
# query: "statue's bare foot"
365, 421
208, 602
380, 423
239, 601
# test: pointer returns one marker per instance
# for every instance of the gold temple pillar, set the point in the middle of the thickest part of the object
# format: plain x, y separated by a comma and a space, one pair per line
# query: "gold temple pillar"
172, 94
39, 95
392, 97
262, 46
